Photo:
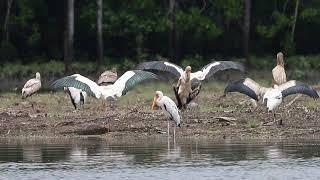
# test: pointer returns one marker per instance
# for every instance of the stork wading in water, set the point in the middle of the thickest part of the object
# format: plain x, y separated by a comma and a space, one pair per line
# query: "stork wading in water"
271, 97
31, 87
125, 83
189, 84
108, 77
169, 108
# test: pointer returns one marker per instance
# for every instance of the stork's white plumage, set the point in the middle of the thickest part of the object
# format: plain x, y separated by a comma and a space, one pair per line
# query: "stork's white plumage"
183, 89
77, 96
272, 96
31, 86
126, 82
169, 107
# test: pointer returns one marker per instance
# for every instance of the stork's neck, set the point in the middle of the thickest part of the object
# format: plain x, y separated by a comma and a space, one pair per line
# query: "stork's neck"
187, 76
280, 61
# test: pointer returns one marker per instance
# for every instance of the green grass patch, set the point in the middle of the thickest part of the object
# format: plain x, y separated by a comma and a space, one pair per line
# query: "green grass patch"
253, 124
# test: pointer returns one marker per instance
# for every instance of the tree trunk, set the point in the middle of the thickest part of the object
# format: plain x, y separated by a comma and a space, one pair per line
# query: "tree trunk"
99, 32
294, 20
139, 44
6, 22
246, 30
68, 35
172, 33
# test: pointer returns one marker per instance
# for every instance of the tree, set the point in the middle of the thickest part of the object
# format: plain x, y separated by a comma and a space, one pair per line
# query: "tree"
68, 35
6, 22
99, 32
173, 44
246, 30
294, 20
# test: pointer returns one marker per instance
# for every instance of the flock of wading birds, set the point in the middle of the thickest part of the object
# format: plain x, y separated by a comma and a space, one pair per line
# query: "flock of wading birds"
109, 86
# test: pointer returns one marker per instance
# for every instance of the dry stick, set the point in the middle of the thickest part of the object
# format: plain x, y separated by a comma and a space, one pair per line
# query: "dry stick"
291, 102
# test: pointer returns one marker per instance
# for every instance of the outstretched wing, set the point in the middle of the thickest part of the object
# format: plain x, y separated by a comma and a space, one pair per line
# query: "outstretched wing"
297, 87
161, 66
79, 82
130, 79
245, 86
215, 66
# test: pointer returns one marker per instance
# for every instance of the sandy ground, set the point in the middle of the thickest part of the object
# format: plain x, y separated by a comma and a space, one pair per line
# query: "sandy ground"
232, 117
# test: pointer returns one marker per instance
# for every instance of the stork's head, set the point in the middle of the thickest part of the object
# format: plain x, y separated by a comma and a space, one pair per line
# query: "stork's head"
38, 75
156, 98
280, 59
188, 69
272, 99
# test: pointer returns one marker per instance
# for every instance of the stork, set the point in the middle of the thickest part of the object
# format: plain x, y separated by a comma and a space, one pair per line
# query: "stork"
272, 97
31, 86
125, 83
169, 107
189, 84
278, 72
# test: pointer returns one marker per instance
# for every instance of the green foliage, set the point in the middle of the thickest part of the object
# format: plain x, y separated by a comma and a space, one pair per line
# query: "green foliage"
232, 9
193, 61
193, 22
141, 29
51, 68
7, 50
281, 21
311, 14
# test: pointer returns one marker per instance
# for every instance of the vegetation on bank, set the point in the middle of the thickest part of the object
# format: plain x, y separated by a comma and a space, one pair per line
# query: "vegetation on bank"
298, 66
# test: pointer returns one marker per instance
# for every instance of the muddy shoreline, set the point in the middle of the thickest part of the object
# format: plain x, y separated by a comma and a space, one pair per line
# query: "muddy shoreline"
231, 118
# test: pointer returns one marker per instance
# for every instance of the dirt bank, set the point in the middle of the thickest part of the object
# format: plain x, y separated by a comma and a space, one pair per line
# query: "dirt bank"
231, 117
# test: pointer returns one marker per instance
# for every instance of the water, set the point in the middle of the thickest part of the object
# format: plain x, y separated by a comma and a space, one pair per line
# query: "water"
95, 158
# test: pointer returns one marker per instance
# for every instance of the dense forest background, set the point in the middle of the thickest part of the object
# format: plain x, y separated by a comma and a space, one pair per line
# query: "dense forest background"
113, 32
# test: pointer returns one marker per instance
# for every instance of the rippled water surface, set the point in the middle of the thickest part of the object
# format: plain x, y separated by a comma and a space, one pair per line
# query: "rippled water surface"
95, 158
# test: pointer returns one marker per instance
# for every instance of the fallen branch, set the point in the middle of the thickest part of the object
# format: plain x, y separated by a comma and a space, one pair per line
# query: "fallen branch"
291, 102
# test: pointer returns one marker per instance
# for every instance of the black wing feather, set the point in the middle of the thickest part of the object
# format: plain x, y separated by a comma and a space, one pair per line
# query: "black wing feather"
300, 88
238, 86
138, 77
224, 65
158, 66
70, 81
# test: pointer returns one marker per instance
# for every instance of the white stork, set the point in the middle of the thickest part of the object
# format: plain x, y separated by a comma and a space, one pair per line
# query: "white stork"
31, 86
126, 82
189, 84
272, 97
169, 107
108, 77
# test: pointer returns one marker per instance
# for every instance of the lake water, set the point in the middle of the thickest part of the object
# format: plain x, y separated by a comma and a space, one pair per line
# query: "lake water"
95, 158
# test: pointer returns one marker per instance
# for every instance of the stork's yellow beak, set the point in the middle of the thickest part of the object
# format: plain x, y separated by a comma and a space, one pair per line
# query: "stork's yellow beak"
154, 104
